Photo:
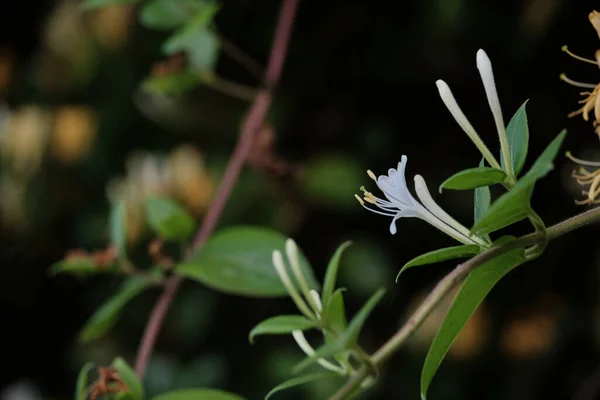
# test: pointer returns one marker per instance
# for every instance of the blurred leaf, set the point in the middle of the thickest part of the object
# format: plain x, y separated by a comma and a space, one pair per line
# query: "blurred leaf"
335, 312
281, 324
168, 219
81, 265
367, 267
200, 45
92, 4
517, 133
439, 255
514, 205
473, 178
300, 381
174, 83
331, 273
327, 350
238, 260
81, 392
127, 374
105, 317
171, 14
482, 200
199, 394
332, 180
476, 287
117, 229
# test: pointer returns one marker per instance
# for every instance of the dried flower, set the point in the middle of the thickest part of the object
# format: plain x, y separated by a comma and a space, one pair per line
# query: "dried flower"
589, 179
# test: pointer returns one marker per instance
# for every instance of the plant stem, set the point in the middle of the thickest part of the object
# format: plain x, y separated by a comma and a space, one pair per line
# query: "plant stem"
256, 117
450, 281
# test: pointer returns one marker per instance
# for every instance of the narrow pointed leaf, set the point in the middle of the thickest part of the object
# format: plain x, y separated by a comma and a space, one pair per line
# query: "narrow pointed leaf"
82, 382
482, 200
301, 380
514, 205
198, 394
473, 178
281, 324
105, 317
171, 14
331, 274
117, 230
82, 266
238, 260
127, 374
354, 327
439, 255
517, 133
335, 312
475, 288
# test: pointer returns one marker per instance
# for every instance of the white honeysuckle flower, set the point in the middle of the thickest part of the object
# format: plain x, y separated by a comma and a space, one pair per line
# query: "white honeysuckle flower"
289, 285
317, 301
400, 203
307, 348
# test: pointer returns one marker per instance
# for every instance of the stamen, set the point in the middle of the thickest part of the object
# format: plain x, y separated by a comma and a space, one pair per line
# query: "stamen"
563, 77
370, 198
575, 56
582, 162
371, 175
362, 203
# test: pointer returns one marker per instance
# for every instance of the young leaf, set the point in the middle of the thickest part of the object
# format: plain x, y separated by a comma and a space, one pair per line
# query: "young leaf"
198, 394
435, 256
473, 178
200, 45
354, 327
170, 14
482, 200
514, 205
92, 4
476, 287
301, 380
238, 260
335, 312
517, 133
281, 324
127, 374
117, 230
105, 317
82, 266
168, 219
174, 83
82, 382
331, 273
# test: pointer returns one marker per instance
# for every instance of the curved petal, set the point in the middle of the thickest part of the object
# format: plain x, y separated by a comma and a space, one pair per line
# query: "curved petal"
401, 214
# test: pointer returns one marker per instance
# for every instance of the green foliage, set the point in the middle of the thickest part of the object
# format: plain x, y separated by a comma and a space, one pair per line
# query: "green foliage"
482, 200
282, 324
168, 219
475, 288
198, 394
171, 14
517, 133
174, 83
81, 266
127, 374
439, 255
331, 272
92, 4
116, 227
473, 178
514, 205
82, 382
301, 380
105, 317
238, 260
335, 312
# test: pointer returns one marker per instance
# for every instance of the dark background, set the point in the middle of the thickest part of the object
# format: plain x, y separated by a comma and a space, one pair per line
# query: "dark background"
358, 91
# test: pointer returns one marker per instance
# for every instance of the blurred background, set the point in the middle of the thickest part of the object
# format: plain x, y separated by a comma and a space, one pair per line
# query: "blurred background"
78, 128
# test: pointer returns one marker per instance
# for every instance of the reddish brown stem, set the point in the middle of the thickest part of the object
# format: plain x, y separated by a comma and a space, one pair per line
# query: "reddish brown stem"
256, 117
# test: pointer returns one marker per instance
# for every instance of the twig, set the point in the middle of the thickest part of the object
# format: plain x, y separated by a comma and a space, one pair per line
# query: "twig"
256, 117
449, 282
240, 56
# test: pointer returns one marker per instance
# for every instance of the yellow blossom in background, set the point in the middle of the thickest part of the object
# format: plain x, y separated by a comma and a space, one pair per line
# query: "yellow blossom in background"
190, 181
73, 134
110, 25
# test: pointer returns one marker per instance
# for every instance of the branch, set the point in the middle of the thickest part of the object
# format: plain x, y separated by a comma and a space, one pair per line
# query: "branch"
256, 117
449, 282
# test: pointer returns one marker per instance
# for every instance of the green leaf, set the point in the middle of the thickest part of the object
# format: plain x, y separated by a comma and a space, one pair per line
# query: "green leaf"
92, 4
476, 287
354, 327
82, 382
81, 265
330, 349
473, 178
174, 83
105, 317
198, 394
281, 324
514, 205
335, 312
128, 375
239, 260
517, 133
168, 219
331, 273
482, 200
300, 381
117, 230
171, 14
439, 255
